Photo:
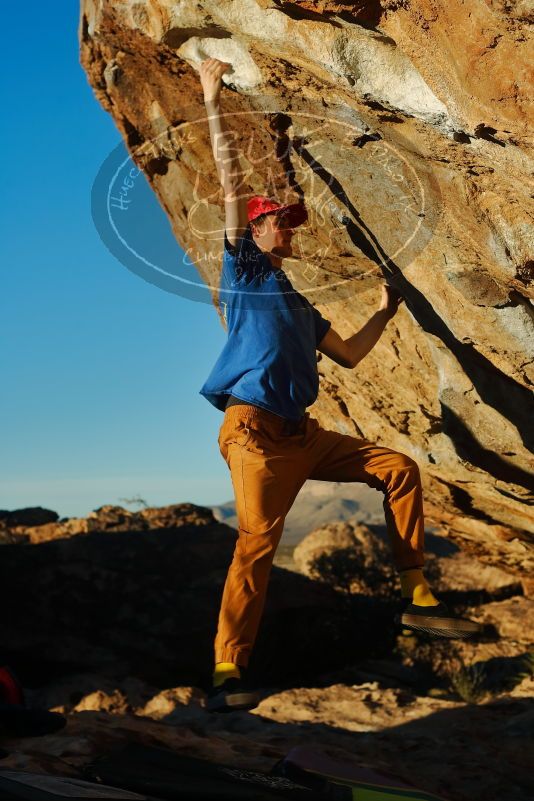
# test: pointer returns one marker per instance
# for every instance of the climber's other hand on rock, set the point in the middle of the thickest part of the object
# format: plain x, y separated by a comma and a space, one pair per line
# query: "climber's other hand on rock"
211, 71
390, 300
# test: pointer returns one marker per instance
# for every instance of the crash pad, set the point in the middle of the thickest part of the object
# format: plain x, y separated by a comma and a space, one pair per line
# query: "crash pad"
177, 777
15, 784
342, 780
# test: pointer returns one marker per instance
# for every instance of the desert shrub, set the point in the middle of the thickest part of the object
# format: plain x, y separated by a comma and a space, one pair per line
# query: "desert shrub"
507, 672
350, 572
525, 668
136, 500
497, 675
357, 570
469, 682
363, 625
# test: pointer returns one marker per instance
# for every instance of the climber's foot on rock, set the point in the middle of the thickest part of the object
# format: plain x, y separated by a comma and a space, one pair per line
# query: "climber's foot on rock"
231, 695
438, 621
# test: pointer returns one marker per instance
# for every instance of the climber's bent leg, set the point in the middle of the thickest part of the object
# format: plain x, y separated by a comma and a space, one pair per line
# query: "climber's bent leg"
346, 458
340, 457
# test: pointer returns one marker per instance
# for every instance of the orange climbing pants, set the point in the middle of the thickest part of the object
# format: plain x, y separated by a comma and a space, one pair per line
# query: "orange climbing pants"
269, 461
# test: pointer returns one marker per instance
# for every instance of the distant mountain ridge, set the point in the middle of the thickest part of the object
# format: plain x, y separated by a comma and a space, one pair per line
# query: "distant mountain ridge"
319, 503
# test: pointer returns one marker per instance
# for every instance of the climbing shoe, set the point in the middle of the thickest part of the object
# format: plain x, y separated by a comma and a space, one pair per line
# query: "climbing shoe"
439, 621
232, 694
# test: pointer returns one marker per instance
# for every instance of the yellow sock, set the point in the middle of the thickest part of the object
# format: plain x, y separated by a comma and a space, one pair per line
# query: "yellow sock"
415, 587
225, 670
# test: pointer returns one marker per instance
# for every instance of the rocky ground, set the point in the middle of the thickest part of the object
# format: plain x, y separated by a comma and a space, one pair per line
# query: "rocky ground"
442, 745
452, 718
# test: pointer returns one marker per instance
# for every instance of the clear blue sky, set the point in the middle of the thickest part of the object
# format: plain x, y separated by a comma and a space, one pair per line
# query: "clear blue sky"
100, 368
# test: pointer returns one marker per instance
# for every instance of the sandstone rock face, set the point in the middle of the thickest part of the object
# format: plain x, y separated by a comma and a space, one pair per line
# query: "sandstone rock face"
406, 128
23, 526
30, 516
19, 524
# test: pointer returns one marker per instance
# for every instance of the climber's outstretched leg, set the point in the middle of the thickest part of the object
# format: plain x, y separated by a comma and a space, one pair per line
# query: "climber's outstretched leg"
267, 470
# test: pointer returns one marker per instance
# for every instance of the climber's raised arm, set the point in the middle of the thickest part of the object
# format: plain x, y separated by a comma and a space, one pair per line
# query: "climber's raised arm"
348, 352
225, 150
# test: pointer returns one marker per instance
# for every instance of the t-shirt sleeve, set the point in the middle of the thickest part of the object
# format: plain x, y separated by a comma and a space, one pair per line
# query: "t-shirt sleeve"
241, 244
231, 249
321, 325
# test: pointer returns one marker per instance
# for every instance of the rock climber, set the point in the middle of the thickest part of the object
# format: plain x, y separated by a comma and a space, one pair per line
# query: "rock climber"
263, 380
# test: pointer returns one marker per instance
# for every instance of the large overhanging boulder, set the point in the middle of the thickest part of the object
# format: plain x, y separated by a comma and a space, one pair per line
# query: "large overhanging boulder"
405, 128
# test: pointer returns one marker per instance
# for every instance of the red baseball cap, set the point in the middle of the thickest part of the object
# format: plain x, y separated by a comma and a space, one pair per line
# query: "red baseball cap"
295, 213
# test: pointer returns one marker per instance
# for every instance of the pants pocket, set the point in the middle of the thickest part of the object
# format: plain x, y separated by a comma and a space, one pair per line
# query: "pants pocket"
241, 434
244, 435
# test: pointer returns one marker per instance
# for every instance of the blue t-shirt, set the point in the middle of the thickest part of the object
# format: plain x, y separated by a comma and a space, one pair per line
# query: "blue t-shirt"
269, 358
